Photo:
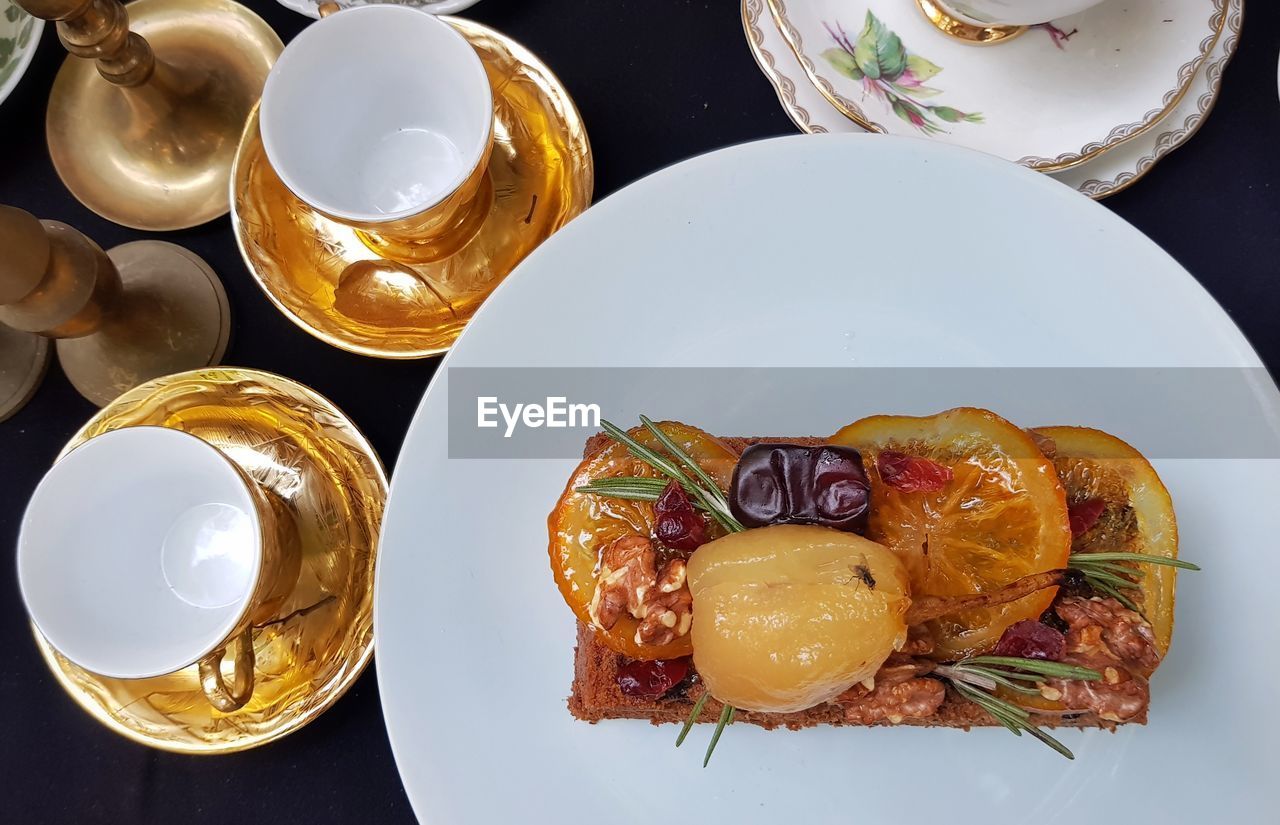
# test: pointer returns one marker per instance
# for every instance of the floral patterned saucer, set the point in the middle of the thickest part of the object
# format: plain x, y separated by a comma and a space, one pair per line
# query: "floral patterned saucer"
1103, 175
1054, 98
19, 36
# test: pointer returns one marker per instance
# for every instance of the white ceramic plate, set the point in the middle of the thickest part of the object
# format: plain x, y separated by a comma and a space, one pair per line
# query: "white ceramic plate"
19, 37
892, 253
311, 8
1125, 66
1107, 173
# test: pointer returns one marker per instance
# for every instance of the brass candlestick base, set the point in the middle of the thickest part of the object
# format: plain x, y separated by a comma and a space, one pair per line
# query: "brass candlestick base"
146, 137
23, 360
965, 31
143, 310
173, 317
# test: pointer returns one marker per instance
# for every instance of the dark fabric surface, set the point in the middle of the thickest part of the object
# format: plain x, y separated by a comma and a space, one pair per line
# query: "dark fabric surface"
656, 82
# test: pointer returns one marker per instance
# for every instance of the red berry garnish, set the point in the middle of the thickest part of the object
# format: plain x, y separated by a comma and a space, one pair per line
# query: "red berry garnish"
1028, 639
911, 474
652, 679
678, 525
1084, 514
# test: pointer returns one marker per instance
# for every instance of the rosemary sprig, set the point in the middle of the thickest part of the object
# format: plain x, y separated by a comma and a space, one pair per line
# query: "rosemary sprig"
1108, 574
632, 488
1141, 558
1033, 667
714, 503
709, 484
704, 492
726, 717
693, 717
979, 677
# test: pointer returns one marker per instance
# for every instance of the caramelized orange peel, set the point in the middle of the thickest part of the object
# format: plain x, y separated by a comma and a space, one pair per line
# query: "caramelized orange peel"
1001, 516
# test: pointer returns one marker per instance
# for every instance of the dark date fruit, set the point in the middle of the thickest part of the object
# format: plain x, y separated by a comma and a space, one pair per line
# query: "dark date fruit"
790, 484
652, 679
1029, 639
677, 525
911, 474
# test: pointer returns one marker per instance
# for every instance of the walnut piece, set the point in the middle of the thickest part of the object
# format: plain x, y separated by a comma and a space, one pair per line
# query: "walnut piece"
897, 692
669, 614
626, 575
915, 698
1105, 626
1104, 635
629, 583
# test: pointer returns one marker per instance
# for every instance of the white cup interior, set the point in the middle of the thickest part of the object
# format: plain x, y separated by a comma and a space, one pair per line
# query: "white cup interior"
1019, 12
139, 551
376, 112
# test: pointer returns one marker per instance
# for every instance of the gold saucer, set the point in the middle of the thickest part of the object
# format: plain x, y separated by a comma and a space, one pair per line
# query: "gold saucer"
302, 448
330, 283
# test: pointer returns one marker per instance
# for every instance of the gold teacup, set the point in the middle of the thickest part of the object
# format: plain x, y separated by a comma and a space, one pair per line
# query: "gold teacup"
381, 117
146, 550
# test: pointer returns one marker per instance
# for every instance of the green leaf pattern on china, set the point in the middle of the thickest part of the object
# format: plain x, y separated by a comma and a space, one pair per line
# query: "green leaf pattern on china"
881, 63
12, 47
843, 63
879, 52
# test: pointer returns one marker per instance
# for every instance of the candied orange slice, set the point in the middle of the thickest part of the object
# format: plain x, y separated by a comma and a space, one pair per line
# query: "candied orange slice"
1001, 516
583, 524
1136, 512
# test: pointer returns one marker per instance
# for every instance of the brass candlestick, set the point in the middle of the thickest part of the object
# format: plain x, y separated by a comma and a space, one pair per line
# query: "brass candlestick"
144, 129
140, 311
23, 360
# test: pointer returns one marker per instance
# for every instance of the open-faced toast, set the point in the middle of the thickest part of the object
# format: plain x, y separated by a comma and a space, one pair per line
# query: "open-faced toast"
1108, 615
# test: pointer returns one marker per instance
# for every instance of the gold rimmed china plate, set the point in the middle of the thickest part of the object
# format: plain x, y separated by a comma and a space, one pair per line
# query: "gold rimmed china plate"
301, 447
325, 279
1045, 99
1099, 177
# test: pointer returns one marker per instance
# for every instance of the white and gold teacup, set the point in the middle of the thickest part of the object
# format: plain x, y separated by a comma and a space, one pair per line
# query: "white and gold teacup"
1011, 12
381, 117
146, 550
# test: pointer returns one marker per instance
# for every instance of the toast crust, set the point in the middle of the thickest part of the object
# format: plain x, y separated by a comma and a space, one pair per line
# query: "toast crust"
596, 696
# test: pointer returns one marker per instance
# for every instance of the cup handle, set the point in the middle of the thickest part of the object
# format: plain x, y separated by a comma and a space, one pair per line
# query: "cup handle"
215, 688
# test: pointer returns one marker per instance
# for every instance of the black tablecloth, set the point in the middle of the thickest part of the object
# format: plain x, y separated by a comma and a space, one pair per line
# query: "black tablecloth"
656, 82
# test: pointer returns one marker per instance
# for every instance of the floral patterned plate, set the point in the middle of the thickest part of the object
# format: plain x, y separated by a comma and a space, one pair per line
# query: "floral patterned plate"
1099, 177
1053, 98
19, 36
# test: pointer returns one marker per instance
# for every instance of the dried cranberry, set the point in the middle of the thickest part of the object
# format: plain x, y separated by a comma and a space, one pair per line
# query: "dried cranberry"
1051, 619
791, 484
911, 474
652, 679
1029, 639
1075, 583
1084, 514
678, 525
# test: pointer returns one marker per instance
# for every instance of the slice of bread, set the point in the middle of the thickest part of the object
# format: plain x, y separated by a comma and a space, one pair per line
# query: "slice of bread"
596, 696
